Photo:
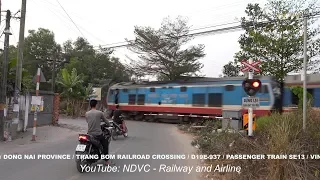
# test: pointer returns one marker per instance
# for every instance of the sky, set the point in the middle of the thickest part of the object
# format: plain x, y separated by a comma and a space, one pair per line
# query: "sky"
107, 22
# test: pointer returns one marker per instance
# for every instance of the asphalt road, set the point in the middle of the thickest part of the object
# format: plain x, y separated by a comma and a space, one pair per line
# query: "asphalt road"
144, 138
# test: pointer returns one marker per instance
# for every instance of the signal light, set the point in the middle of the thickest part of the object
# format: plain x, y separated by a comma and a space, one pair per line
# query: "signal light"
251, 86
256, 84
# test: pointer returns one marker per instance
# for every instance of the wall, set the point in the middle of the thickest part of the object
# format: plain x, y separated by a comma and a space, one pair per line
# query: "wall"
56, 109
45, 117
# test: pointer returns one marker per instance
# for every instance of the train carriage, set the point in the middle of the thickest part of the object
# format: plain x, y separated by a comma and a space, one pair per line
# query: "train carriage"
198, 97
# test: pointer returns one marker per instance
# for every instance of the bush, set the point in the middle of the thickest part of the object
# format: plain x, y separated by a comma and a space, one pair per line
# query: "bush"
276, 134
264, 121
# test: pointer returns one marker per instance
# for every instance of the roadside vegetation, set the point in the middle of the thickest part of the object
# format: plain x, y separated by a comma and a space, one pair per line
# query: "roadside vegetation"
276, 134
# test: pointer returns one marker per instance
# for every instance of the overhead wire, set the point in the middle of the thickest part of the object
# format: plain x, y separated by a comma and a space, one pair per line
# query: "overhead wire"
55, 13
220, 30
232, 28
195, 29
78, 27
70, 18
56, 16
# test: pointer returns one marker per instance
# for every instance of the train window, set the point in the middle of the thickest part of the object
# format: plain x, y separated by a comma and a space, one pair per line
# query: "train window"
170, 87
141, 99
132, 99
183, 89
152, 89
215, 99
111, 91
198, 99
229, 87
125, 90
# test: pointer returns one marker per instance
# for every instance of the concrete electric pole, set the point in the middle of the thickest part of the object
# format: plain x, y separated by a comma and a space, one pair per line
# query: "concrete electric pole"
304, 79
16, 117
3, 92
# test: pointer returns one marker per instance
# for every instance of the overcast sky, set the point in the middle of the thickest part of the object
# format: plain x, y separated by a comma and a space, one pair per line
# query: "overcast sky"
106, 22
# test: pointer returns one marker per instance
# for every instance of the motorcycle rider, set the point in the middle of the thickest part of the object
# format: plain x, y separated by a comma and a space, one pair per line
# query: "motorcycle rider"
93, 118
116, 116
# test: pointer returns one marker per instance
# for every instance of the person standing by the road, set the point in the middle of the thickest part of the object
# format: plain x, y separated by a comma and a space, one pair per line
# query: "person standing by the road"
93, 118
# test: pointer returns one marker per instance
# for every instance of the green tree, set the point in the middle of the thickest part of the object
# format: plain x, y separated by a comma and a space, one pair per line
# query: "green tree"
298, 91
73, 91
26, 77
160, 51
40, 51
276, 37
231, 69
96, 65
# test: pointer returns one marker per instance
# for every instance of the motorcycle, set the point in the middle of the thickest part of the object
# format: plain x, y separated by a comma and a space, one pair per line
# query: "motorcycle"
119, 130
91, 147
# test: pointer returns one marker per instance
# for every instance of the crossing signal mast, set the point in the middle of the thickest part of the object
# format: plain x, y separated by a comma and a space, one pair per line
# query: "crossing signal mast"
251, 87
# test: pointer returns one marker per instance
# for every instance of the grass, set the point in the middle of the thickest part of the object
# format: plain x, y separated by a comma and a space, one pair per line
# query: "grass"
276, 134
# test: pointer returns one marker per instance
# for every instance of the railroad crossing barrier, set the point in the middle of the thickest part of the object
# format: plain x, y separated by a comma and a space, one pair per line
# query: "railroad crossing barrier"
232, 119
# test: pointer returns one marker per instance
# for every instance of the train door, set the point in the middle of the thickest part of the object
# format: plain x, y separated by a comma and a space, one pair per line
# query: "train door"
110, 99
132, 97
116, 96
163, 99
183, 97
199, 96
141, 96
153, 96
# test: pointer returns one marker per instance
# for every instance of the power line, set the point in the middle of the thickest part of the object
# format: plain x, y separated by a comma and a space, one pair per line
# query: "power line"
206, 27
113, 45
66, 23
70, 18
220, 30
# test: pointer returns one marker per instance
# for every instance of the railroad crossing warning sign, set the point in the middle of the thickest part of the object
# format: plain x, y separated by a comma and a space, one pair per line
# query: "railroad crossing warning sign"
37, 104
253, 102
248, 66
245, 121
42, 78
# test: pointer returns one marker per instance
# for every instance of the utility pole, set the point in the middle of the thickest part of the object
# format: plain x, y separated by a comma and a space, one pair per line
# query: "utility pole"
16, 115
250, 110
0, 11
305, 72
3, 92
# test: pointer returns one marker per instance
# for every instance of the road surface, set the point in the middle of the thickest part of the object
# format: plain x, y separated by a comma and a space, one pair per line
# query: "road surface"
144, 138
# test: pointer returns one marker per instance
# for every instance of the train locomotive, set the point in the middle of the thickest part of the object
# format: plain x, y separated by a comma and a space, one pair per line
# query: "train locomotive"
189, 99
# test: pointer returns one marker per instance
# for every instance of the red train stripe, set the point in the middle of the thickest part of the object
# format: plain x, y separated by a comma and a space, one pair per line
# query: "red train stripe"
182, 110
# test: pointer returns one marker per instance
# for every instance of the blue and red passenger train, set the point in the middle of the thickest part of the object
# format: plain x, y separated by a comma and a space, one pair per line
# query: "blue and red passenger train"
200, 97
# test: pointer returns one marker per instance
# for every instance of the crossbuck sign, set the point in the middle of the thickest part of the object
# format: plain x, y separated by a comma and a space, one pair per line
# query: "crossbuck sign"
248, 66
253, 102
